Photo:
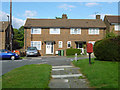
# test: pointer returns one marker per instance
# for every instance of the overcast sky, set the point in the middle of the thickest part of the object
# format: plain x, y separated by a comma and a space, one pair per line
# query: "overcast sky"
49, 10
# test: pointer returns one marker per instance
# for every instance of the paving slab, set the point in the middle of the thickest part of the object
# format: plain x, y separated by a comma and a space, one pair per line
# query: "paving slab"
66, 75
59, 83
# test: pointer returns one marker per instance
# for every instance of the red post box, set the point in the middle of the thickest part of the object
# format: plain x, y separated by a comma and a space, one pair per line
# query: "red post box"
89, 48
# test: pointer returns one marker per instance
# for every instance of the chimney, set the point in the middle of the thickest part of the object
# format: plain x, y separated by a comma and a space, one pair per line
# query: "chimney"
64, 16
97, 16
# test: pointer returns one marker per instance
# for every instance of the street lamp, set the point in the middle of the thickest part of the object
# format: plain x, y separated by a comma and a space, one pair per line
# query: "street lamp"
8, 19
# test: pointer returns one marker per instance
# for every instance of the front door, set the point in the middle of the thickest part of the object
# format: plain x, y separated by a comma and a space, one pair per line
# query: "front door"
49, 48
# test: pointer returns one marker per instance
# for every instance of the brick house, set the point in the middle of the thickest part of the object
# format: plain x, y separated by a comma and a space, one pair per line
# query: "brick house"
112, 24
4, 35
51, 35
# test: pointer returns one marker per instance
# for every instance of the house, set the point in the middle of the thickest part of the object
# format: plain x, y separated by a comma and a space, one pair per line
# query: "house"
4, 35
51, 35
112, 24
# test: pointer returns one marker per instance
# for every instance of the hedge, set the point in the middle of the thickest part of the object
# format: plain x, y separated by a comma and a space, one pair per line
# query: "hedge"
72, 51
108, 49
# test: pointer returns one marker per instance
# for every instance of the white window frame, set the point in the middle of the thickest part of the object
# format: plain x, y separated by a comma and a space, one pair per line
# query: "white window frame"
93, 31
60, 44
38, 43
33, 32
92, 42
53, 29
72, 30
68, 43
117, 27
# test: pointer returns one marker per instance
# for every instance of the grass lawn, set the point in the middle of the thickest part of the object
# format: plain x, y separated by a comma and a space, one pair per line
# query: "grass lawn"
101, 74
28, 76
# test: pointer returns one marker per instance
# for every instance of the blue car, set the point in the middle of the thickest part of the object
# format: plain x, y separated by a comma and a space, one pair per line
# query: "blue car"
5, 54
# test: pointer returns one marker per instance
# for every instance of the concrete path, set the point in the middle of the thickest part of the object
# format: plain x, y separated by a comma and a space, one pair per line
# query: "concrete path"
67, 76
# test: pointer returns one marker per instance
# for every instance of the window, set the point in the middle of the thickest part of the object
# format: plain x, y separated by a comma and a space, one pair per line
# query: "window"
54, 30
92, 42
93, 31
117, 27
36, 44
68, 44
35, 30
79, 45
75, 31
60, 44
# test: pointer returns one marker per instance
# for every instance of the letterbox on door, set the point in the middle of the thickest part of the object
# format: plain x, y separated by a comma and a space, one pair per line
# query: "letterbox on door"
89, 48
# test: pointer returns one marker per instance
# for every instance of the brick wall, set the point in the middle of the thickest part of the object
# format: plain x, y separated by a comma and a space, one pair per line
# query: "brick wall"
63, 36
2, 40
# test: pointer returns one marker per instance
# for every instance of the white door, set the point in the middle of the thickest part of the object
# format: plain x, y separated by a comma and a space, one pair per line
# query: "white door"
49, 48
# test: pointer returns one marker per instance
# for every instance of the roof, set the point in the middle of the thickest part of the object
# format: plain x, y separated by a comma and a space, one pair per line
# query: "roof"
3, 25
64, 23
113, 19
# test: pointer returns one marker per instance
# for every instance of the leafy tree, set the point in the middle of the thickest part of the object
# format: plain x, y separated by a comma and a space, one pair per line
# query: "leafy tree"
18, 38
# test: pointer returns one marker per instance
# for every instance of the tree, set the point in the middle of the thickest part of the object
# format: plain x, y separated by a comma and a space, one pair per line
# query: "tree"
18, 38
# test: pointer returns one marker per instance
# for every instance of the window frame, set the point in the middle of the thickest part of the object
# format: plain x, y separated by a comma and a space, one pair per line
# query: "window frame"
60, 45
92, 32
68, 43
54, 29
32, 30
32, 44
117, 27
72, 30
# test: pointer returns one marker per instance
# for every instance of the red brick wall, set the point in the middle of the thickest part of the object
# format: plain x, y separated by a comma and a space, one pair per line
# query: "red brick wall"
63, 36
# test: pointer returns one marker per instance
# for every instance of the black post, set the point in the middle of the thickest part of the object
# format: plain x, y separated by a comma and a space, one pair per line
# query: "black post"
89, 58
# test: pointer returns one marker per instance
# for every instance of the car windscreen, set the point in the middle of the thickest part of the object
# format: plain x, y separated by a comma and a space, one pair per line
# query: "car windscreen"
31, 48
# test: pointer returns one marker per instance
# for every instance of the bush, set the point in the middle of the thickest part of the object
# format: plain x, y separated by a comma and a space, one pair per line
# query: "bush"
72, 51
108, 49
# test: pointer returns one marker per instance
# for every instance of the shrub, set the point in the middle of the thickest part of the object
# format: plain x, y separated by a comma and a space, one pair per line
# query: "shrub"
72, 51
108, 49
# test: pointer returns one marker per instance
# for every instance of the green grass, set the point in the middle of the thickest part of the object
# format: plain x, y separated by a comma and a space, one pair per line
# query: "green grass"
28, 76
101, 74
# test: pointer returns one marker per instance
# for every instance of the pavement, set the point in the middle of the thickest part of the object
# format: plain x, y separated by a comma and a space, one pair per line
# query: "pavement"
64, 74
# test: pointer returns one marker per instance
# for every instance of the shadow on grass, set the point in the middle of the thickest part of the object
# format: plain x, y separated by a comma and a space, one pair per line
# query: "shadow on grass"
105, 60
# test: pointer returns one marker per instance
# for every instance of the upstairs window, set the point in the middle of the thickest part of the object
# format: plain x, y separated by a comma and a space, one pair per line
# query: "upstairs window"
54, 30
68, 44
117, 27
75, 31
35, 30
93, 31
60, 44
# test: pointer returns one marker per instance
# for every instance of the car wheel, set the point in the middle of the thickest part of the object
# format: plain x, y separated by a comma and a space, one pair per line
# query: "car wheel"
12, 58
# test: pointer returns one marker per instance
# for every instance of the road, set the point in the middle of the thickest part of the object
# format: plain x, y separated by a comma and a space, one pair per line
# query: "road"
8, 65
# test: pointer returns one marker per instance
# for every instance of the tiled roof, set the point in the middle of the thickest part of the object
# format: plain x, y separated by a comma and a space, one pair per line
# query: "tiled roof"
113, 19
65, 23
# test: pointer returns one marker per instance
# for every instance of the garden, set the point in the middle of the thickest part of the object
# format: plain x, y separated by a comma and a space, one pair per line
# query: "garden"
103, 72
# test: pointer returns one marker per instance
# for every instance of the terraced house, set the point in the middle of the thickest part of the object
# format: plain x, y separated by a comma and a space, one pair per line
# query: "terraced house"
51, 35
112, 24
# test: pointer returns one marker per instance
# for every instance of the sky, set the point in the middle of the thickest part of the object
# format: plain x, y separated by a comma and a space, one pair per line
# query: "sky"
49, 10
